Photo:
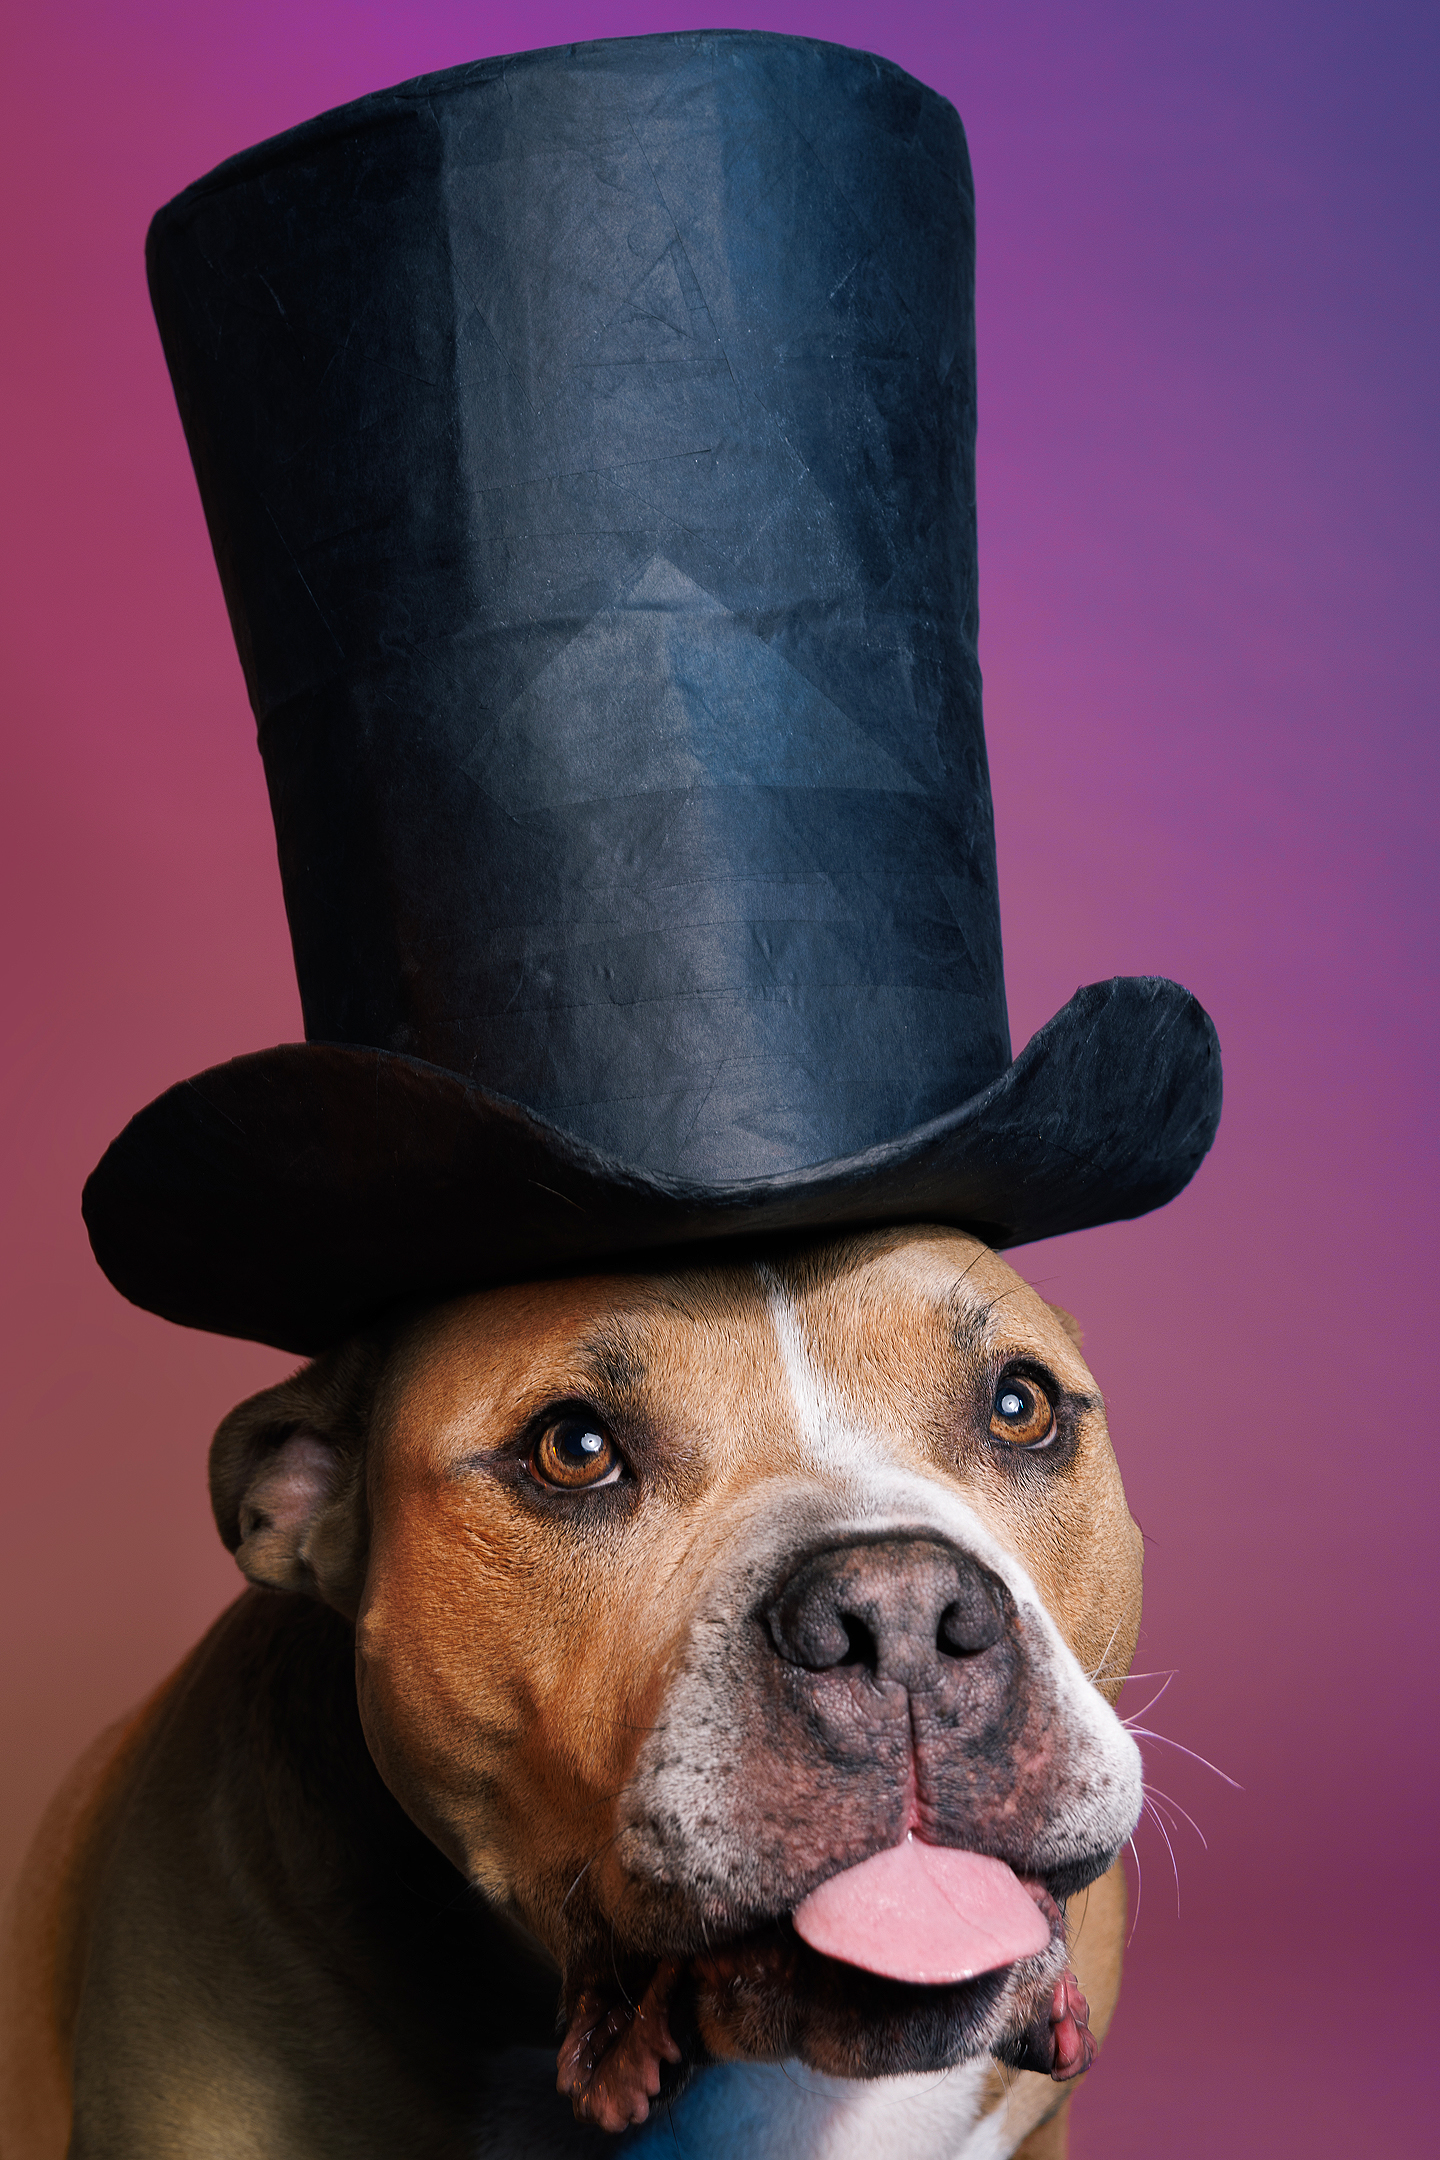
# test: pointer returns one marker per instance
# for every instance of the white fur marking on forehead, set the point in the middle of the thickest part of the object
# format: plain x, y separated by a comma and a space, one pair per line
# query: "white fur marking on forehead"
833, 1439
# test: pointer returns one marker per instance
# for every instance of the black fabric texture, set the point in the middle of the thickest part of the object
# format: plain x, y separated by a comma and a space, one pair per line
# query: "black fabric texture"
291, 1196
587, 445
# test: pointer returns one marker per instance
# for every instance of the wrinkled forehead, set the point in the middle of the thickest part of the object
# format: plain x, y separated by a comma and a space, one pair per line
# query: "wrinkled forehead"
883, 1324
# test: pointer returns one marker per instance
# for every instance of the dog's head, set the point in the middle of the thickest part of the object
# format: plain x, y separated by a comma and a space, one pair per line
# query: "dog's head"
676, 1596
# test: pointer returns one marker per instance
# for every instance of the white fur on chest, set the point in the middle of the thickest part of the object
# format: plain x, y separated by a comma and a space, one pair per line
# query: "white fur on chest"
762, 2111
768, 2111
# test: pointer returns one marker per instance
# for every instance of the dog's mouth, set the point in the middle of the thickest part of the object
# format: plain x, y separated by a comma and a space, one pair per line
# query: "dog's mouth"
914, 1959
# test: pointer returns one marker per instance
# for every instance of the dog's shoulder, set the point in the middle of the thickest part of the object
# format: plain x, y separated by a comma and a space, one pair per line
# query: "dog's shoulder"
47, 1926
213, 1915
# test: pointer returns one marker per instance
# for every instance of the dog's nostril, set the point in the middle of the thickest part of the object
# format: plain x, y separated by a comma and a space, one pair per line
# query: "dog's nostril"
861, 1646
969, 1625
821, 1638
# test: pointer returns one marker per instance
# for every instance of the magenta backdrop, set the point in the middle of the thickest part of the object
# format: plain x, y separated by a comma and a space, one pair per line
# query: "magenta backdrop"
1207, 477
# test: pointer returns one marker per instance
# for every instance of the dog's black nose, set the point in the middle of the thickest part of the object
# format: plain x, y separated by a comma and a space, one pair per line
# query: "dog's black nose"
905, 1607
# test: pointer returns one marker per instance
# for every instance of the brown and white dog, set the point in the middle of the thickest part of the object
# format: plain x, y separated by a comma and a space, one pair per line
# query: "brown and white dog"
597, 1627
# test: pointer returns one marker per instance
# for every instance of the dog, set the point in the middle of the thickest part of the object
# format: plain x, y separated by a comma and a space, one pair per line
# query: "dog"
637, 1661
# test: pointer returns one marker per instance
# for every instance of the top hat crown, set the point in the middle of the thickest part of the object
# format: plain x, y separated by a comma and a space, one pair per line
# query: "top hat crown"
587, 444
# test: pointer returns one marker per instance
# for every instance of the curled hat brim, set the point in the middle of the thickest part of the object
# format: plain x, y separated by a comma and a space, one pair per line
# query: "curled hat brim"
289, 1197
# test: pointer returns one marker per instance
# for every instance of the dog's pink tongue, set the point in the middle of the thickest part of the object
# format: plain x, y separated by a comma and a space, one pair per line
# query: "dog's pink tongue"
924, 1913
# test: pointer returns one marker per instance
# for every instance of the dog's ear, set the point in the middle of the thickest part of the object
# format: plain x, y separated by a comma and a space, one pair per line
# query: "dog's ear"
1071, 1326
287, 1479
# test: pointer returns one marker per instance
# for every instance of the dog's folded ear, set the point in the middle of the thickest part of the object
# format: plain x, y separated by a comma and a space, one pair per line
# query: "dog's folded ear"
287, 1479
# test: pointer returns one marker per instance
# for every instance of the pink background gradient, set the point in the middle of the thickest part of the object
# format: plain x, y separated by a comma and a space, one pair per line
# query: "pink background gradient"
1208, 369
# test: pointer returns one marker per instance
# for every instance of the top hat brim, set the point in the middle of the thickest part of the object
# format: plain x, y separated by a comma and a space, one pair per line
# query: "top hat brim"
289, 1197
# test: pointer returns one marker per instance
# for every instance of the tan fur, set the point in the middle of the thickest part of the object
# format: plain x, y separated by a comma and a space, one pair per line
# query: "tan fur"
508, 1668
44, 1940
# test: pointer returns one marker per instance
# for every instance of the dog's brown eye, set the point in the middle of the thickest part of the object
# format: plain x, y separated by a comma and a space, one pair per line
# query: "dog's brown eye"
1023, 1415
574, 1454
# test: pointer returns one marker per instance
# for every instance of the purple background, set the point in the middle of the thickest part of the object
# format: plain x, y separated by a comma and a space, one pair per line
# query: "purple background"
1208, 374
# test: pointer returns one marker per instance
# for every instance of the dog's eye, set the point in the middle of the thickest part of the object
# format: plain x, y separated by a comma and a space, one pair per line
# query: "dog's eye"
574, 1454
1023, 1415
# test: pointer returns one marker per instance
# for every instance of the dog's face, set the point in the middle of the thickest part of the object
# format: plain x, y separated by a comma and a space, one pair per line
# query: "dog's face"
677, 1595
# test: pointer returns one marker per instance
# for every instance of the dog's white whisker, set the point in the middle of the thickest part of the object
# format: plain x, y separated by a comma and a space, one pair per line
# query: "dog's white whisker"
578, 1880
1143, 1732
1170, 1801
601, 1848
1159, 1822
1146, 1708
1159, 1807
1124, 1615
1139, 1888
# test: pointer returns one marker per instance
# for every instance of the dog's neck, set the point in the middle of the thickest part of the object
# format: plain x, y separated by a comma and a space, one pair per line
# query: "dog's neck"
381, 1941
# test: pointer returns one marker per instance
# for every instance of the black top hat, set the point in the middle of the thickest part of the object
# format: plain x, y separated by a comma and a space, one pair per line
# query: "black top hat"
587, 443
